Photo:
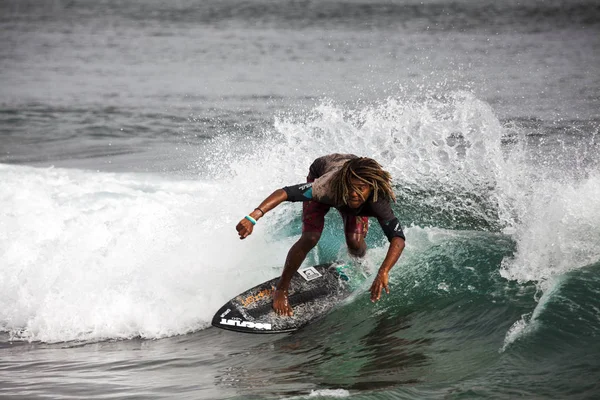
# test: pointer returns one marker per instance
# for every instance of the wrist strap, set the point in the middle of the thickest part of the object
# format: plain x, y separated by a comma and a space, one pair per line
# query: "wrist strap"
261, 211
249, 218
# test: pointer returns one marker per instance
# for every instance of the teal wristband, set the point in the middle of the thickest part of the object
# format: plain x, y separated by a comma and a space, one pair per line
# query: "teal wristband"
249, 218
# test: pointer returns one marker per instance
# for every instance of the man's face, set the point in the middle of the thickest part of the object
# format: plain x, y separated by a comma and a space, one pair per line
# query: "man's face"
354, 197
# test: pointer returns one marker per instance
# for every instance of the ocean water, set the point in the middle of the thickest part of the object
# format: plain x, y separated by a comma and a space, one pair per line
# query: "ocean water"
135, 135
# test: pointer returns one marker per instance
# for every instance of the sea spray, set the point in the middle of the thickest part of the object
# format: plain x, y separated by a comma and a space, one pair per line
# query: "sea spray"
560, 232
445, 154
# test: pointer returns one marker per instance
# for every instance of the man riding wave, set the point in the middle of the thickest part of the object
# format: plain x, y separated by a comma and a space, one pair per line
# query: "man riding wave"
358, 188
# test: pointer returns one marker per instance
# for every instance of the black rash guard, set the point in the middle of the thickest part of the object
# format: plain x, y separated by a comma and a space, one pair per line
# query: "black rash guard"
380, 209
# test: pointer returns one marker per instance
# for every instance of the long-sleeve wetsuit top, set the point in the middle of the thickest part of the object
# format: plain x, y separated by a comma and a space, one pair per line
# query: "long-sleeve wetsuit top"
321, 172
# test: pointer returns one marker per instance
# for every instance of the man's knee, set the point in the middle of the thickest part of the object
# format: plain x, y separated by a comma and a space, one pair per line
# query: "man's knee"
308, 240
356, 244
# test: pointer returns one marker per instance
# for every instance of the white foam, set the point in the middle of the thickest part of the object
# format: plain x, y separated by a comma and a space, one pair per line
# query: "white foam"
528, 322
90, 255
559, 230
516, 331
333, 393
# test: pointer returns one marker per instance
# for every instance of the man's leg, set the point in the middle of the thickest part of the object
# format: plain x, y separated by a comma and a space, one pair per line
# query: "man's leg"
313, 221
356, 244
356, 229
297, 254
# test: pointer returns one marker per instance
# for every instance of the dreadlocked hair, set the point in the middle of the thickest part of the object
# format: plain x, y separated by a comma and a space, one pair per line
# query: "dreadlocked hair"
365, 170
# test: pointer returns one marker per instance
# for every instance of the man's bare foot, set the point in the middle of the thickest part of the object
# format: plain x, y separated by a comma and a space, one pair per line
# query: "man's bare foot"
281, 304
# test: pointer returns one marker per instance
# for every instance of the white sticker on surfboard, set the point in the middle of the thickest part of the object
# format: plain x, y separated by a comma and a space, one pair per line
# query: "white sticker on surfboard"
310, 273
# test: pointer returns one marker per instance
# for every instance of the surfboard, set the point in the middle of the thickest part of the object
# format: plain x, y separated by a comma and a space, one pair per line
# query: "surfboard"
313, 292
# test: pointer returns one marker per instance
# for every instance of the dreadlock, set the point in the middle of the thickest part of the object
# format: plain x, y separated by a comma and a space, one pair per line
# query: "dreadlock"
366, 170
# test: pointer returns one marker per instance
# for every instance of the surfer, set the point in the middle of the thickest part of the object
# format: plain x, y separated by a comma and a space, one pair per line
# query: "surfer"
358, 188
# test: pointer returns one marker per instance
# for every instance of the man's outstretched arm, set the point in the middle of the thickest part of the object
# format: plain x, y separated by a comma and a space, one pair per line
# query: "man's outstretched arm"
245, 227
381, 280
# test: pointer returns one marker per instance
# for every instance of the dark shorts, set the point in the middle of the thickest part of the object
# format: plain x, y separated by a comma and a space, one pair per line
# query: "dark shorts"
313, 219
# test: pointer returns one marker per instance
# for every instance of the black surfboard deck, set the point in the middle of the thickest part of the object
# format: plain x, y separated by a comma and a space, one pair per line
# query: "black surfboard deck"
313, 292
